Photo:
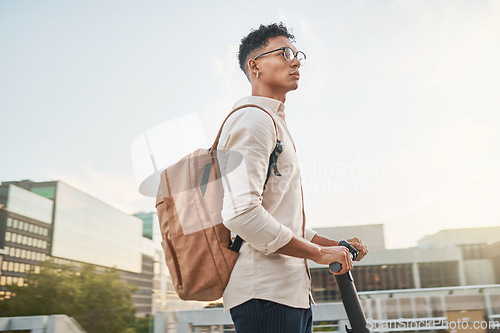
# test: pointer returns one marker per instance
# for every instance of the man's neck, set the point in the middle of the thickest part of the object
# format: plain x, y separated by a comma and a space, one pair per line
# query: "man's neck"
269, 94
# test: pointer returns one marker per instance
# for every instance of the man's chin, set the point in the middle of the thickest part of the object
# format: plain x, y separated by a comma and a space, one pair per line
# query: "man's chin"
293, 86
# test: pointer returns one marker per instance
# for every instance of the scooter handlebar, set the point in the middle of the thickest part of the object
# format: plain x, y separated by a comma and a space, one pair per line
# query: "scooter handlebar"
336, 266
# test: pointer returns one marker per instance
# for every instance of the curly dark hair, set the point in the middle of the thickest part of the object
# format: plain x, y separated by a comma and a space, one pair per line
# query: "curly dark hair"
257, 39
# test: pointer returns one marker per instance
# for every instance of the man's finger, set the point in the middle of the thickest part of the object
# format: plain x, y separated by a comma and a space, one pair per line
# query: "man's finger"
354, 240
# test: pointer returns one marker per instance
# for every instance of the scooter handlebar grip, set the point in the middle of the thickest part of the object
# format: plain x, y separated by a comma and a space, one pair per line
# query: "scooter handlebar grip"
335, 267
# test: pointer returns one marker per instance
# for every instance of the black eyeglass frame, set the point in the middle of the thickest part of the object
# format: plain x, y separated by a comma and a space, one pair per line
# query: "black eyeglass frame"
283, 49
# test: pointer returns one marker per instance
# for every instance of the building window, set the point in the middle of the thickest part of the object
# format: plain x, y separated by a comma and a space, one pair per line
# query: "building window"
16, 267
368, 278
35, 229
3, 280
12, 252
14, 223
438, 274
11, 266
474, 251
18, 253
20, 282
4, 265
8, 236
21, 225
324, 288
9, 222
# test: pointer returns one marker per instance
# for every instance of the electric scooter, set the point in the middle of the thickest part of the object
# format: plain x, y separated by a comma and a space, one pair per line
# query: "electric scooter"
349, 294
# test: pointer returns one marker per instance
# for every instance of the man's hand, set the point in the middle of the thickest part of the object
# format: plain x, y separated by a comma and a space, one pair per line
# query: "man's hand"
323, 251
340, 254
358, 245
355, 242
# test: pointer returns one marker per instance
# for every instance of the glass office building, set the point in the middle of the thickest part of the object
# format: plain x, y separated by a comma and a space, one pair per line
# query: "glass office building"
149, 222
25, 234
85, 228
39, 220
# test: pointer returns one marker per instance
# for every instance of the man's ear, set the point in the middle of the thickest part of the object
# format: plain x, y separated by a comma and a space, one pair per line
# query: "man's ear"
252, 66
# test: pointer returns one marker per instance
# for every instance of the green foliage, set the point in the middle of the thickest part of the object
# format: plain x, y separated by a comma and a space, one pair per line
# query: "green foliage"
143, 325
100, 302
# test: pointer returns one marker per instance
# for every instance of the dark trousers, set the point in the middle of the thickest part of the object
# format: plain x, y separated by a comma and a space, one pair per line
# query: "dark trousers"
260, 316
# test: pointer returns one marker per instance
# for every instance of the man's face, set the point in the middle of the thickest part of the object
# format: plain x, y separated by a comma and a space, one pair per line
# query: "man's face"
275, 72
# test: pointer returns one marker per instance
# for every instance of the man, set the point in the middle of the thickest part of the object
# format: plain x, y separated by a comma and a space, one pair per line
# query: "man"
270, 288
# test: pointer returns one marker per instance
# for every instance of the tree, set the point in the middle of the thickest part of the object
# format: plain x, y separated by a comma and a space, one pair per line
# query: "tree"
100, 302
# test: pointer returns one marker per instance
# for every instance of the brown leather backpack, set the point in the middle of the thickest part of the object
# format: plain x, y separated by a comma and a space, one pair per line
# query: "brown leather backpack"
198, 248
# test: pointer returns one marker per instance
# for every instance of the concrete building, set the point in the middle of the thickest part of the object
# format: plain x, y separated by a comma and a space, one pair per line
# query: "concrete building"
450, 277
443, 259
41, 220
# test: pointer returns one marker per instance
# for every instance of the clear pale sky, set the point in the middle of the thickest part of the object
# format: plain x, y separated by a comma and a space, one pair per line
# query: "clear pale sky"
396, 120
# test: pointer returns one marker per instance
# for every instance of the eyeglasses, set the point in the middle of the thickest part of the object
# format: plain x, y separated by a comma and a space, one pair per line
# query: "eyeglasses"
288, 54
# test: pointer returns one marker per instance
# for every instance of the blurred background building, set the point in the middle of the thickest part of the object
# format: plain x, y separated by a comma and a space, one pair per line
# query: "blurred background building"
453, 272
42, 220
455, 257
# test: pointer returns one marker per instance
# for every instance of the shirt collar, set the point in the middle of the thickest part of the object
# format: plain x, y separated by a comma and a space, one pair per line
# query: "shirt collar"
269, 104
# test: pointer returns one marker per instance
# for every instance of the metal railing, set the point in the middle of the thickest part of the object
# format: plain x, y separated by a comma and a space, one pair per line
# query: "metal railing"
387, 311
41, 324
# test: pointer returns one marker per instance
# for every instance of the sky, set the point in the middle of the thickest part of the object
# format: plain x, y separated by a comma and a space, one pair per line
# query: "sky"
396, 119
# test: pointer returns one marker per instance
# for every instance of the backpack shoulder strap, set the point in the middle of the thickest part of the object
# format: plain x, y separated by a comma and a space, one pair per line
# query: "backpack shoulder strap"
236, 245
216, 142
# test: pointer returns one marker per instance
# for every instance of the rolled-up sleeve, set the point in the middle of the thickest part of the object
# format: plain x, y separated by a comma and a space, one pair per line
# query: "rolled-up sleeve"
309, 234
247, 141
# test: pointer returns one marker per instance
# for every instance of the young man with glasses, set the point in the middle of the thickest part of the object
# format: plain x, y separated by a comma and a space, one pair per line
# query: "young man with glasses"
270, 286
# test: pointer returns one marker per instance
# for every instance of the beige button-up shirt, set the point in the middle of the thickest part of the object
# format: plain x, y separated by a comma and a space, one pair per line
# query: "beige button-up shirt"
265, 220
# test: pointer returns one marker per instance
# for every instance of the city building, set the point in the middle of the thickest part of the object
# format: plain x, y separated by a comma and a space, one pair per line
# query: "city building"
450, 277
42, 220
2, 253
443, 259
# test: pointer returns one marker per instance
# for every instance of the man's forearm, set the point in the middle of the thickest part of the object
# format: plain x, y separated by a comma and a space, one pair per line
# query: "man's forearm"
322, 254
300, 248
320, 240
